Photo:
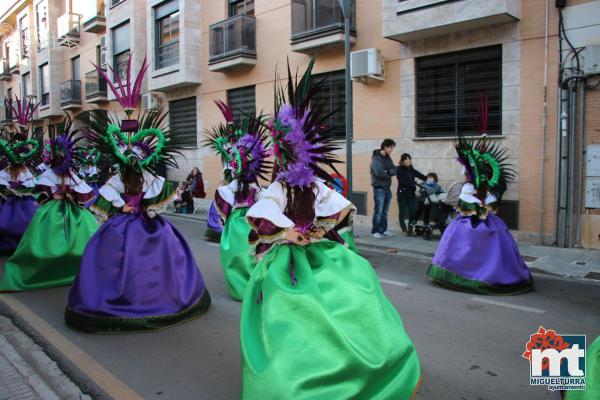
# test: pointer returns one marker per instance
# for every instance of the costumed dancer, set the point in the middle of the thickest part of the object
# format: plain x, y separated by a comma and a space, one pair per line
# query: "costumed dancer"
17, 184
241, 145
477, 252
592, 374
137, 273
88, 159
49, 253
214, 225
315, 322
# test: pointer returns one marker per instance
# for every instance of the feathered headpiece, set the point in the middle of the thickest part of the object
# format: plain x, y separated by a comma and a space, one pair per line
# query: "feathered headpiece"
19, 152
60, 151
127, 93
23, 110
485, 165
242, 145
302, 144
152, 145
88, 156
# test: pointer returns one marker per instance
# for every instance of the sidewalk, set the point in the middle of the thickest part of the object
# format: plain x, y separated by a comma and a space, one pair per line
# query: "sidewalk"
570, 263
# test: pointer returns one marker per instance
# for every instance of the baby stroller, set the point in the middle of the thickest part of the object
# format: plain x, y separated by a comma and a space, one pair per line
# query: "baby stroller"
439, 213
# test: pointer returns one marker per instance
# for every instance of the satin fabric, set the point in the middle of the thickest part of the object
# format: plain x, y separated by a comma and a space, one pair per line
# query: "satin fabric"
482, 251
236, 260
15, 215
316, 325
348, 237
214, 227
49, 254
136, 267
592, 375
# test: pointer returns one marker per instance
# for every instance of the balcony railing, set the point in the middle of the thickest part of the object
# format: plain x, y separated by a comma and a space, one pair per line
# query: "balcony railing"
70, 94
167, 55
69, 26
4, 71
95, 21
310, 17
95, 86
232, 38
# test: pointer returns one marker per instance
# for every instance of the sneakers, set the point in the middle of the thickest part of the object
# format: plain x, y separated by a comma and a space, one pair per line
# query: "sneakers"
376, 235
388, 233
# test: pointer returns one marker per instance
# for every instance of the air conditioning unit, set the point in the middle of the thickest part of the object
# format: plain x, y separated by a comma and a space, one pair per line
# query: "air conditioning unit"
150, 102
366, 64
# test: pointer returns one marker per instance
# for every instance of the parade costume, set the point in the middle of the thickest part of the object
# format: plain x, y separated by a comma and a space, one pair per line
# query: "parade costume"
137, 273
592, 373
49, 253
88, 159
315, 323
241, 145
214, 225
17, 185
477, 252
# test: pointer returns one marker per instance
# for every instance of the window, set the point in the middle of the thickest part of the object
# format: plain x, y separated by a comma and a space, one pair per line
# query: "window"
238, 7
120, 48
41, 23
167, 34
242, 101
7, 108
318, 15
183, 121
44, 85
24, 29
449, 90
26, 85
331, 97
115, 2
75, 71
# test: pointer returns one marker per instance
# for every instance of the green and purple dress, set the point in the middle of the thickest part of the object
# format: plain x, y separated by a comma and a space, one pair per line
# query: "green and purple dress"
592, 373
315, 322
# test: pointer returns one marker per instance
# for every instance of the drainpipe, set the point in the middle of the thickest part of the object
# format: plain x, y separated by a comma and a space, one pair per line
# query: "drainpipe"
580, 166
544, 131
571, 157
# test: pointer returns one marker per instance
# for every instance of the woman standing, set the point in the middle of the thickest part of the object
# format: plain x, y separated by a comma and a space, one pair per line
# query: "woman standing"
406, 194
49, 254
242, 146
315, 323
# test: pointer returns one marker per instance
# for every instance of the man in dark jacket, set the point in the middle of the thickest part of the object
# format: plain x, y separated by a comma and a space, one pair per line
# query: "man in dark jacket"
382, 171
407, 199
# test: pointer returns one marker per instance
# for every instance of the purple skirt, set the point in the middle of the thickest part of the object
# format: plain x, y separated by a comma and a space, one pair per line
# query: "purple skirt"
15, 215
480, 256
136, 275
214, 226
96, 191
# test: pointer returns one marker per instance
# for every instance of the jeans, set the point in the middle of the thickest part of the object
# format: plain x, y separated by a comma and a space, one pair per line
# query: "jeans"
383, 198
407, 203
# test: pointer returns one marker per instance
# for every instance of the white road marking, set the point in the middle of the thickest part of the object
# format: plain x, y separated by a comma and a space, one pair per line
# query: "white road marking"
508, 305
395, 283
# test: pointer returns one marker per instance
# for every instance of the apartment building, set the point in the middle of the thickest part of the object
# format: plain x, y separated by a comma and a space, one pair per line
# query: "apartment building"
429, 63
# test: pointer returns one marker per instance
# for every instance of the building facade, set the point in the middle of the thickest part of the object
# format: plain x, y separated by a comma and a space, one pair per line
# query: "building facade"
529, 63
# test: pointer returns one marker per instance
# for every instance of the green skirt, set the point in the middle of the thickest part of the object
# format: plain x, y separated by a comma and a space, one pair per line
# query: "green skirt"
50, 251
236, 259
592, 375
316, 325
348, 237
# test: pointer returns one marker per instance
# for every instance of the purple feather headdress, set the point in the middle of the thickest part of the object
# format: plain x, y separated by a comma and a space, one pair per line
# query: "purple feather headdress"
127, 93
23, 111
60, 152
302, 143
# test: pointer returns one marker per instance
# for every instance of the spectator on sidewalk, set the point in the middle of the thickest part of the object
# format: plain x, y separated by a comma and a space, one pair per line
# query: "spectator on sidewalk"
406, 194
430, 191
382, 171
196, 183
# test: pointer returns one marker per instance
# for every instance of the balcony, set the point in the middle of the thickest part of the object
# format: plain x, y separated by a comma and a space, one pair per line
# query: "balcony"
70, 94
95, 88
95, 22
232, 43
319, 24
4, 71
407, 20
69, 29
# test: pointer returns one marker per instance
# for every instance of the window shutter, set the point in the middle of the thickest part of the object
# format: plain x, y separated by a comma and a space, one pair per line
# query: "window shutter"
183, 121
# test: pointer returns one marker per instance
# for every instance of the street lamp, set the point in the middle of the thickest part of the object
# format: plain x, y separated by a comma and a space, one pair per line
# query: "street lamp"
346, 6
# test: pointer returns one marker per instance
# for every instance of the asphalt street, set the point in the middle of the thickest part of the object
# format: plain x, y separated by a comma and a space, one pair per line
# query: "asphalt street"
470, 346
